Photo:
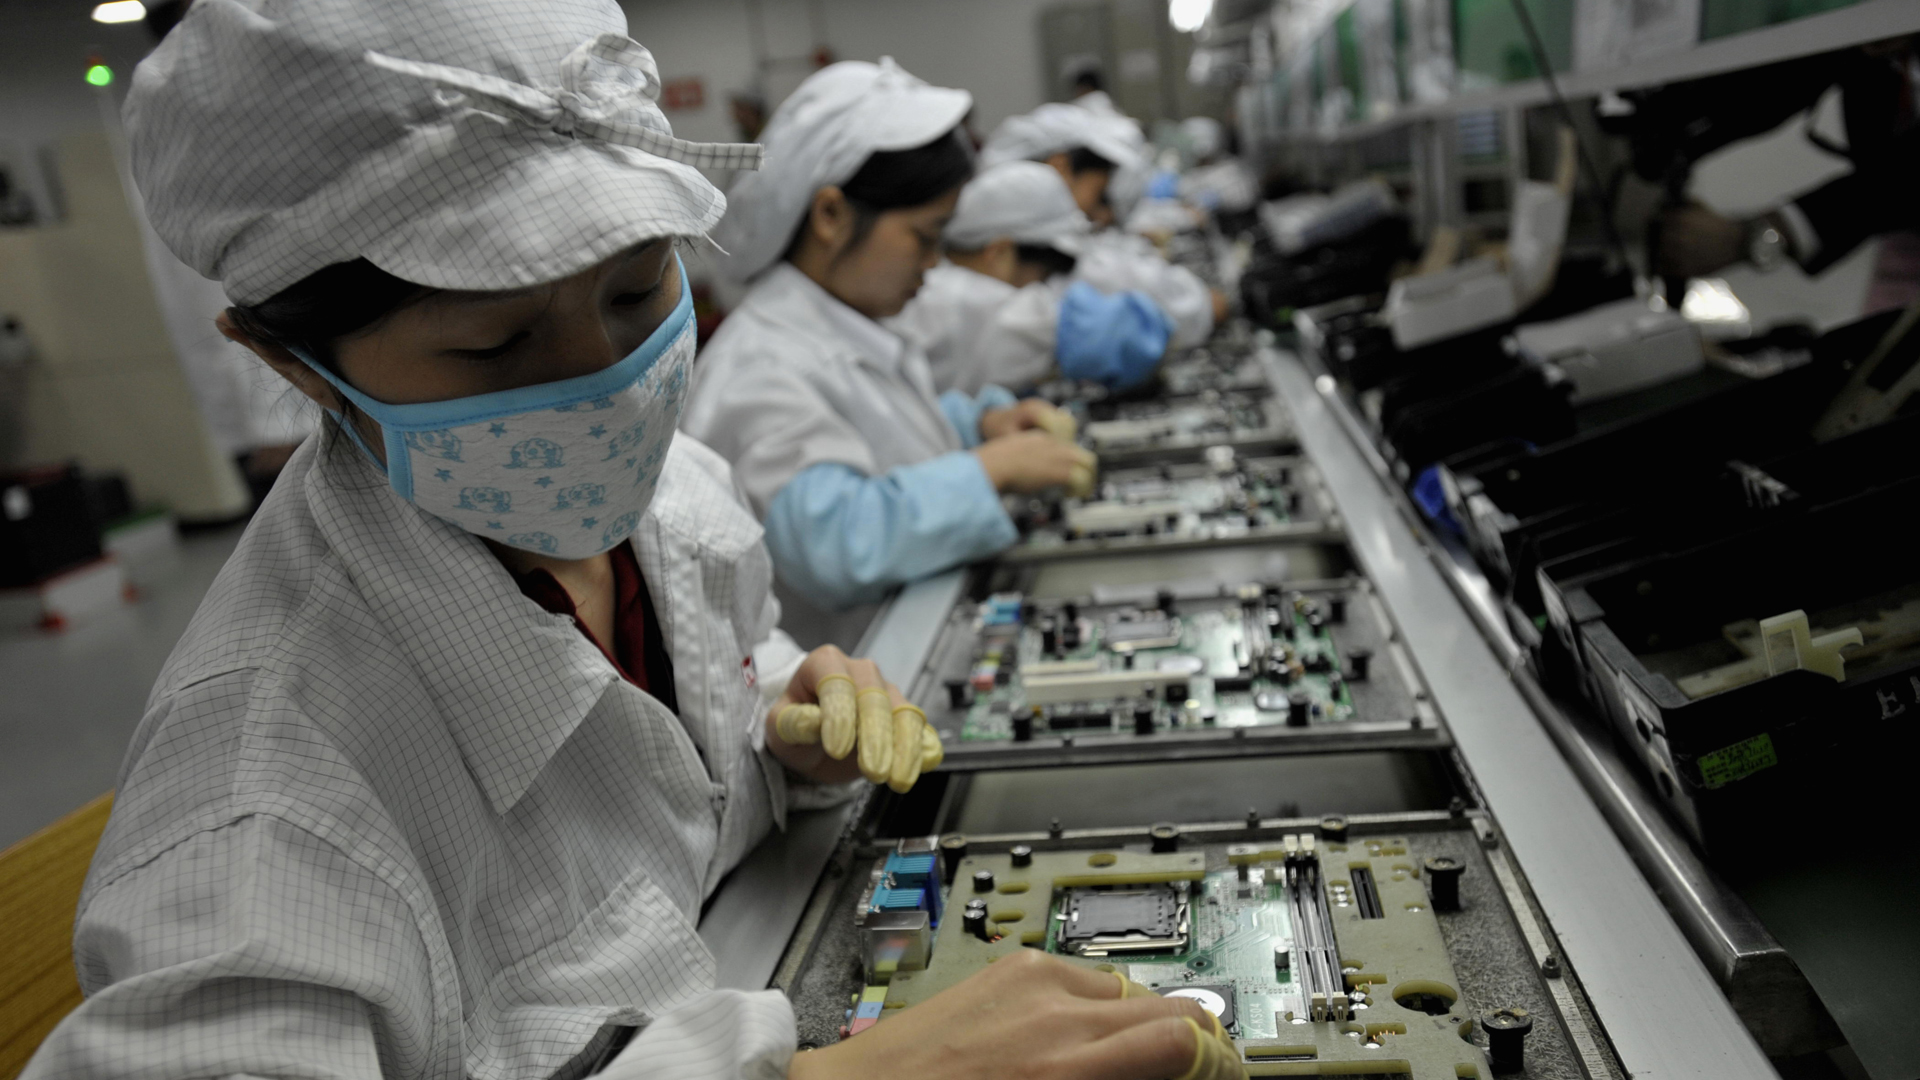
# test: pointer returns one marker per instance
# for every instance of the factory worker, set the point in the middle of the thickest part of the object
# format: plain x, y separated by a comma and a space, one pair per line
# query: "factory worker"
1088, 148
1001, 307
865, 476
438, 778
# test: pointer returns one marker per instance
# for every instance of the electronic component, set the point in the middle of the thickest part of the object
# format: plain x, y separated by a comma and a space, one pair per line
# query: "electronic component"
1103, 922
1216, 998
1143, 667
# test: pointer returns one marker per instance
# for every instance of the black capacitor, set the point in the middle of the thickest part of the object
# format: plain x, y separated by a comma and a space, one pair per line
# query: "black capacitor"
1143, 718
1293, 501
975, 922
1357, 661
1164, 839
1177, 693
957, 693
982, 881
1022, 855
953, 848
1165, 599
976, 904
1171, 521
1023, 727
1316, 621
1071, 610
1126, 661
1297, 703
1273, 595
1281, 673
1507, 1038
1443, 881
1253, 520
1333, 827
1049, 637
1337, 608
1284, 474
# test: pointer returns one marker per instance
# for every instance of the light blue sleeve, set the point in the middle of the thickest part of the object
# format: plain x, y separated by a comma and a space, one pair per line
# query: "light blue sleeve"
1115, 339
964, 412
844, 538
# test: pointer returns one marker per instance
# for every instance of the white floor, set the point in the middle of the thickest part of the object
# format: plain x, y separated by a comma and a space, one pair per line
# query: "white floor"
69, 701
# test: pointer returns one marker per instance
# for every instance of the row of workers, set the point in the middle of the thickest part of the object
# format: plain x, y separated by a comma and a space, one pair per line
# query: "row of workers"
492, 693
864, 391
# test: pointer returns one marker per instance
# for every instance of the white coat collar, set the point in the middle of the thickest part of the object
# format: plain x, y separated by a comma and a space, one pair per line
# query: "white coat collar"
512, 679
876, 345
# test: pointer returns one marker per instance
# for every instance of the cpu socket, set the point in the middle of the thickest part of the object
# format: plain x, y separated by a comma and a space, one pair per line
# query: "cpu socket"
1112, 921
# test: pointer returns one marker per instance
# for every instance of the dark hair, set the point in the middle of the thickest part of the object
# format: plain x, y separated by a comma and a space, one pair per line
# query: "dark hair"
1080, 159
327, 304
1088, 79
1052, 260
895, 179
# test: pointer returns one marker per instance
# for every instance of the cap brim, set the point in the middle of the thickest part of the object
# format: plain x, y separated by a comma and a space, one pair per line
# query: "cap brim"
545, 216
918, 116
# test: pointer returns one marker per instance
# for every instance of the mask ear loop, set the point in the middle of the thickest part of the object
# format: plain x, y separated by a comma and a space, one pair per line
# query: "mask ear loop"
340, 418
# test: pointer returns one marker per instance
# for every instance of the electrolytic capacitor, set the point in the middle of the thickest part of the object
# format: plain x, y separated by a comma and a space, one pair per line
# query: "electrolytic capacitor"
1143, 718
975, 922
1049, 637
1023, 725
953, 848
1297, 705
1337, 609
982, 881
956, 693
1022, 854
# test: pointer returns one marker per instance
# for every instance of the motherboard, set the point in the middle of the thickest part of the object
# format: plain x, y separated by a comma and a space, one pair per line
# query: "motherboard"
1224, 498
1321, 953
1168, 428
1266, 656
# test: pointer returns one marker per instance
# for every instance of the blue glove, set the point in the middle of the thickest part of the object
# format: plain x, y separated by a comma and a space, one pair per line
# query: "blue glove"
1164, 185
1115, 339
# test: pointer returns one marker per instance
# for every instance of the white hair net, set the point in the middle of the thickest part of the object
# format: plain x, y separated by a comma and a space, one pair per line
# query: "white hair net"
1022, 200
1055, 128
459, 144
821, 135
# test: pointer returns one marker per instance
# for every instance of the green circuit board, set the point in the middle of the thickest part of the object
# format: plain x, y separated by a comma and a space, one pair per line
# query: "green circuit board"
1266, 660
1228, 961
1232, 498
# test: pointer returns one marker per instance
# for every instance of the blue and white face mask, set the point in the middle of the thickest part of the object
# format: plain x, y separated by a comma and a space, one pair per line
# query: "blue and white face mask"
563, 468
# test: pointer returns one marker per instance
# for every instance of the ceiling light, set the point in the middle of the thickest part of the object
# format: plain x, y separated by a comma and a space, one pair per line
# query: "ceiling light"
1188, 15
120, 11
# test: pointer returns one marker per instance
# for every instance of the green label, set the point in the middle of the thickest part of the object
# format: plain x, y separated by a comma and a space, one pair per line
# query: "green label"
1737, 762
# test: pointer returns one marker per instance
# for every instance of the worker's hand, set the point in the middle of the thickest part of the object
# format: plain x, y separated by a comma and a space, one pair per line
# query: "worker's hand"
1029, 1015
1028, 414
836, 705
1030, 461
1695, 241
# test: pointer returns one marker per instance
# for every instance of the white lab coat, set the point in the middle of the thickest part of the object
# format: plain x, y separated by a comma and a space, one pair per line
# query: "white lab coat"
795, 378
977, 330
1113, 261
387, 816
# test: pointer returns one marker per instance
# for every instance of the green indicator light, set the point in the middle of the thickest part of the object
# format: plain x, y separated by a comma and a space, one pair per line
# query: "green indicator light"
99, 75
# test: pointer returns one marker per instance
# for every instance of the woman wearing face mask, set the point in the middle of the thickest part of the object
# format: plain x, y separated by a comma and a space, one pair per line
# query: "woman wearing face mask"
465, 732
864, 477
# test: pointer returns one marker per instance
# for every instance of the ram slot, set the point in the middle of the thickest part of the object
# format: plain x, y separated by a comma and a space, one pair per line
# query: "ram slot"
1323, 989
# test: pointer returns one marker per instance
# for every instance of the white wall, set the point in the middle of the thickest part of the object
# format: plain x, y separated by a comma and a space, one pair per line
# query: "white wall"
988, 47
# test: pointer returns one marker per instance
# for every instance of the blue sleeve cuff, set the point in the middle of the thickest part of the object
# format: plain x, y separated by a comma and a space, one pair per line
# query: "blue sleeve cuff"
843, 538
964, 412
1113, 339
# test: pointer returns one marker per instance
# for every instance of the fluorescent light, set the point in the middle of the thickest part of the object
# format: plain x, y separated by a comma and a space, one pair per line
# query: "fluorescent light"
119, 11
1188, 15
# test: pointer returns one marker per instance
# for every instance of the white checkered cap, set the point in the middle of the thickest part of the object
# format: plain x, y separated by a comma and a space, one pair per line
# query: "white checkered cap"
459, 144
1058, 127
821, 135
1025, 201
